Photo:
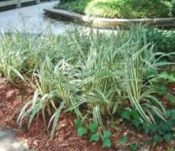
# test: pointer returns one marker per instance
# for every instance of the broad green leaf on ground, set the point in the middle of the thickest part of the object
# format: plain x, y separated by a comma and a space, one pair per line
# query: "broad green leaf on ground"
78, 123
107, 143
94, 137
93, 127
82, 131
106, 134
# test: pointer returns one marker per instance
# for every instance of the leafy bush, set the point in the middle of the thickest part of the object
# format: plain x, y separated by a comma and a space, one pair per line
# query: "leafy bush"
121, 8
164, 40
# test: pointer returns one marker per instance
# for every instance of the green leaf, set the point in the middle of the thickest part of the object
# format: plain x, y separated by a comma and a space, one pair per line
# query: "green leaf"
157, 138
93, 127
126, 115
146, 128
151, 72
106, 134
171, 98
167, 76
153, 128
94, 137
134, 114
171, 112
35, 110
168, 137
78, 123
55, 118
82, 131
107, 143
136, 123
133, 147
165, 126
123, 140
162, 90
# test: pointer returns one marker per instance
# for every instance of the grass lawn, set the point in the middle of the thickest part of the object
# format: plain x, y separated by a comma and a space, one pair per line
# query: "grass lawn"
120, 8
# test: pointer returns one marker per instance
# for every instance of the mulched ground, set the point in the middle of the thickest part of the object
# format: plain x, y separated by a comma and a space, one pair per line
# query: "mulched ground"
12, 98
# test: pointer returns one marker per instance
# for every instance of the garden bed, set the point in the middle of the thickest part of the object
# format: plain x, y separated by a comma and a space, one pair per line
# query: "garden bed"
12, 98
90, 90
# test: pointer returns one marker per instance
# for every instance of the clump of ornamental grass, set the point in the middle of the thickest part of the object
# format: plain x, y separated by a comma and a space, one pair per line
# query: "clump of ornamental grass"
89, 74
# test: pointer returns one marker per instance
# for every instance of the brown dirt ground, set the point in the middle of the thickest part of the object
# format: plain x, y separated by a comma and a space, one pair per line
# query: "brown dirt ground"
13, 98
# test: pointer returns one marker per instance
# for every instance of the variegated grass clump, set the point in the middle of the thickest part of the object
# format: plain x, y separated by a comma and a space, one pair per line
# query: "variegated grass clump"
90, 74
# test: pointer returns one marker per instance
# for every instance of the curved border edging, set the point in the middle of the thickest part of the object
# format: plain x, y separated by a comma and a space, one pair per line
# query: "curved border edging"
108, 23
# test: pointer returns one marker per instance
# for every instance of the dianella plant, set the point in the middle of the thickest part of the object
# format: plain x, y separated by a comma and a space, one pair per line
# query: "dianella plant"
91, 74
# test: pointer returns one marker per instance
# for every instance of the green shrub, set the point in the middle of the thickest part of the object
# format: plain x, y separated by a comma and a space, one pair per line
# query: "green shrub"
164, 40
121, 8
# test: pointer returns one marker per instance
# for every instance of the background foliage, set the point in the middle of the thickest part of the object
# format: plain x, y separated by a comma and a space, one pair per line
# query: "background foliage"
120, 8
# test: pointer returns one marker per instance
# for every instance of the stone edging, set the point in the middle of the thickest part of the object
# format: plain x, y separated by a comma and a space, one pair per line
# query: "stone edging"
107, 22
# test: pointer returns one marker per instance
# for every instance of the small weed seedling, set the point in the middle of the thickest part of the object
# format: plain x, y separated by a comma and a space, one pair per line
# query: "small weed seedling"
94, 134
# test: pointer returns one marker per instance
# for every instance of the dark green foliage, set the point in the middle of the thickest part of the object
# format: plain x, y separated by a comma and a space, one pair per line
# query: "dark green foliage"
133, 147
66, 1
133, 117
159, 131
164, 40
120, 8
123, 140
164, 82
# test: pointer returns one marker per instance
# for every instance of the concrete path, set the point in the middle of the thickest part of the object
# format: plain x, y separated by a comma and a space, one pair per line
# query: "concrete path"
32, 19
8, 142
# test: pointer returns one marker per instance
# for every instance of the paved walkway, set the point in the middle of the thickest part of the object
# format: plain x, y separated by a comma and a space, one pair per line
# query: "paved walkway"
8, 142
32, 19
